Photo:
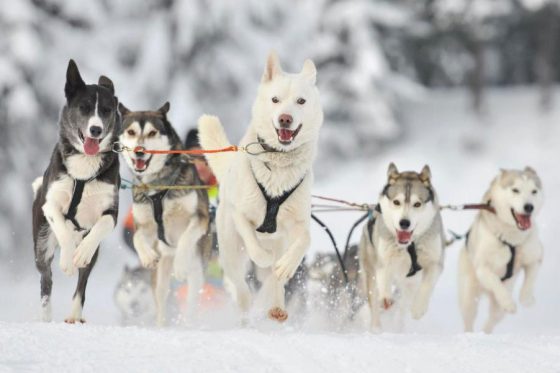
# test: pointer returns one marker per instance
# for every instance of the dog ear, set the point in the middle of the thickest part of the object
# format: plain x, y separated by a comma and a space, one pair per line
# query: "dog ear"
74, 81
127, 268
309, 70
107, 83
530, 170
164, 109
123, 109
425, 174
392, 173
272, 67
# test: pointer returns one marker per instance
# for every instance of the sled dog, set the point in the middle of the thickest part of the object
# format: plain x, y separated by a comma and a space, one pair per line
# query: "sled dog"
401, 248
168, 223
76, 201
265, 200
500, 244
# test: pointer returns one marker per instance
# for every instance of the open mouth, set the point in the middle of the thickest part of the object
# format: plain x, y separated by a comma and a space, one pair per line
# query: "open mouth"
91, 145
286, 136
141, 164
404, 237
523, 221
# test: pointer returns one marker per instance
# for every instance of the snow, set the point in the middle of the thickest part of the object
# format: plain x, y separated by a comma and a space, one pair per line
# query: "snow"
87, 348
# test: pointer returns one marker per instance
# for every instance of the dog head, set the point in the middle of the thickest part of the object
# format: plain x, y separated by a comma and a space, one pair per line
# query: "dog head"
408, 203
150, 130
133, 294
287, 111
89, 119
517, 196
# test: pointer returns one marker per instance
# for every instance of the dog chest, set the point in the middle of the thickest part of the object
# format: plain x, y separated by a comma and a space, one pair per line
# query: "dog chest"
83, 167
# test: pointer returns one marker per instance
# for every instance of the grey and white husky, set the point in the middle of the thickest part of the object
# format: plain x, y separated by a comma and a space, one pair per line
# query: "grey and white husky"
134, 296
401, 248
501, 243
76, 201
168, 223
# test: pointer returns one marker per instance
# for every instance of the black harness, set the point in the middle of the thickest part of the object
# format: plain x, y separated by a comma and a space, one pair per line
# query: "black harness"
76, 199
157, 208
511, 262
273, 206
411, 249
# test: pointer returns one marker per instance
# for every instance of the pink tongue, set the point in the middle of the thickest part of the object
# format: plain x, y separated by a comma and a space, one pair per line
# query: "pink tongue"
285, 135
140, 164
91, 146
404, 236
523, 221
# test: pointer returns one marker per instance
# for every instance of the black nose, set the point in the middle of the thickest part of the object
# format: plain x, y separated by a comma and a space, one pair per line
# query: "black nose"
404, 223
139, 154
285, 120
528, 208
95, 131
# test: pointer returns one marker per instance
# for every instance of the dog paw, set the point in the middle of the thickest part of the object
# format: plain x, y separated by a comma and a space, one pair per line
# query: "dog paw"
149, 258
507, 304
419, 308
73, 320
526, 298
387, 303
262, 258
66, 264
286, 266
83, 254
277, 314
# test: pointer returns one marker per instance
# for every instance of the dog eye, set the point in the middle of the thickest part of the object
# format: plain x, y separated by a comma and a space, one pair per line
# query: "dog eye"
396, 202
275, 100
534, 191
417, 204
152, 133
300, 101
131, 133
515, 190
85, 108
105, 111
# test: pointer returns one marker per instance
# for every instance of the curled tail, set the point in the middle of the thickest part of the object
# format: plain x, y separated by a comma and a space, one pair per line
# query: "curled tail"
36, 185
212, 136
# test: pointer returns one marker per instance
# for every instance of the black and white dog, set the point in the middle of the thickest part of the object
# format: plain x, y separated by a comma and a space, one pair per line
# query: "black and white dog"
76, 201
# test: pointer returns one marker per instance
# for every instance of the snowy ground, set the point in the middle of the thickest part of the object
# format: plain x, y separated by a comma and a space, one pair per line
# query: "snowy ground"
464, 153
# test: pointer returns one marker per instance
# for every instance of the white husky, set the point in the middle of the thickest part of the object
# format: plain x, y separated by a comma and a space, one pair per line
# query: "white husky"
500, 243
264, 211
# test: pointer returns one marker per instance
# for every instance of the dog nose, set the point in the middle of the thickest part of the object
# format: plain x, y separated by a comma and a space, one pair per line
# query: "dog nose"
139, 154
285, 120
528, 208
404, 223
95, 131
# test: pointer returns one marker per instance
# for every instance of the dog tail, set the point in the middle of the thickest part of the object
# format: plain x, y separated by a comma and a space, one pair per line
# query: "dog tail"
36, 185
212, 136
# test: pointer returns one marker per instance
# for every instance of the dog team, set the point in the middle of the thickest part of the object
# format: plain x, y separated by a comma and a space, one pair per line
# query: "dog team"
264, 212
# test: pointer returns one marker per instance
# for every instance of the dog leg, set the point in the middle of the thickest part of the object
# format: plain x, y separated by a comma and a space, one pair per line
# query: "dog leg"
493, 283
161, 287
384, 282
187, 264
44, 254
262, 257
148, 256
233, 262
373, 301
80, 294
429, 277
496, 314
274, 292
64, 236
90, 243
469, 292
526, 296
299, 240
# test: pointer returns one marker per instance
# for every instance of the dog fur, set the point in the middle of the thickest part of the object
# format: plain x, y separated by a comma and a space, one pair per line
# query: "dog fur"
185, 215
243, 206
89, 124
484, 258
385, 262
